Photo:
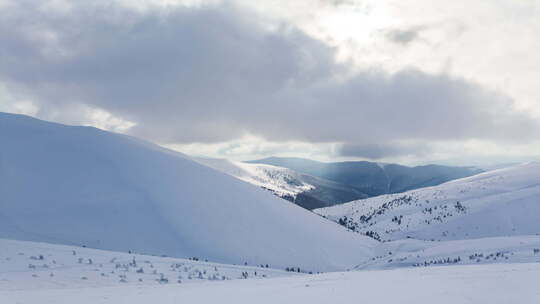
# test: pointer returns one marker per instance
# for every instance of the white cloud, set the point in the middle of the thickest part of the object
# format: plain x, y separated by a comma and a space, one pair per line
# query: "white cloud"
244, 79
14, 104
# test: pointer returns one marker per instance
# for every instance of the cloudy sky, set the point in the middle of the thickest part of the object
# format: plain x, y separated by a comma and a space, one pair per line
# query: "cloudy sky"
387, 80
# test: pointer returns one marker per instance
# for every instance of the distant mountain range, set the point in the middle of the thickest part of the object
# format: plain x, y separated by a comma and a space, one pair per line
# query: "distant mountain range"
305, 190
339, 182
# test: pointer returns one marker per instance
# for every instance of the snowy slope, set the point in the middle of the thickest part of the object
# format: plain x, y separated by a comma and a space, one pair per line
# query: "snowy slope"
281, 181
503, 202
304, 190
58, 277
418, 253
81, 185
31, 265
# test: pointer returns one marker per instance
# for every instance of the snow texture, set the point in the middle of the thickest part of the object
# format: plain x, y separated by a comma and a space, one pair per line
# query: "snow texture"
105, 282
498, 203
279, 180
83, 186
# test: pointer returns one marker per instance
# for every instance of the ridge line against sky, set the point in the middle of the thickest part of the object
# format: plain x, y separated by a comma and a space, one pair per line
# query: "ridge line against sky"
415, 82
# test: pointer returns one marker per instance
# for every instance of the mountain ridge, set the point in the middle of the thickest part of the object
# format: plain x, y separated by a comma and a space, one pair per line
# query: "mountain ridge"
491, 204
84, 186
307, 191
373, 178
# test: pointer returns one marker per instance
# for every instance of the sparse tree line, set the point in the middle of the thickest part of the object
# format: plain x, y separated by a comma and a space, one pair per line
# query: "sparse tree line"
441, 261
138, 271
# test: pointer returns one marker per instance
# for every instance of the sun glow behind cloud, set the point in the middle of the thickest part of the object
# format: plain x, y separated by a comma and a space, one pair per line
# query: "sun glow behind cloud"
453, 47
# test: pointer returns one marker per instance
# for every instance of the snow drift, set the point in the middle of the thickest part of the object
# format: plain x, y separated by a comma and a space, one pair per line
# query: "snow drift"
84, 186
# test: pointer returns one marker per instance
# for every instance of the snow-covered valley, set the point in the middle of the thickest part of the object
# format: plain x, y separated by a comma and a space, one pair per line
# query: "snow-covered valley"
312, 185
97, 217
269, 152
114, 277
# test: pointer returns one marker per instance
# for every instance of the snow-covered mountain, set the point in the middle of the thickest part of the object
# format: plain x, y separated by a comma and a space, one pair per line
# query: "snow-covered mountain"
304, 190
311, 184
281, 181
84, 186
370, 178
502, 202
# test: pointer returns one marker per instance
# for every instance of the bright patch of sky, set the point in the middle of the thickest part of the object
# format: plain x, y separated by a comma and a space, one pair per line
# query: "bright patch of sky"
271, 62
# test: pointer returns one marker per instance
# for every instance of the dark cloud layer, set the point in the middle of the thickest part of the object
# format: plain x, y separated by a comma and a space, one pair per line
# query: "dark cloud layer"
405, 36
212, 74
383, 150
402, 36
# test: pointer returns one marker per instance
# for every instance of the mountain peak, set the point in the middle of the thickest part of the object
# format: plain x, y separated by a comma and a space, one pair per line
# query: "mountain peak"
84, 186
